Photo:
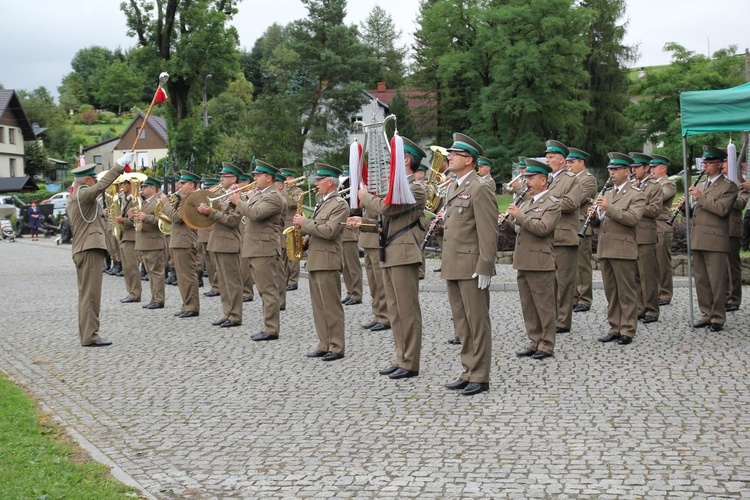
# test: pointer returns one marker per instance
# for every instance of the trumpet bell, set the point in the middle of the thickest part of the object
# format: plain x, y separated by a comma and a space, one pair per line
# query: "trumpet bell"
190, 214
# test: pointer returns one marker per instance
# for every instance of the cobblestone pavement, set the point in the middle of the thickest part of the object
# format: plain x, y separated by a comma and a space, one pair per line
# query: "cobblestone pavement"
188, 410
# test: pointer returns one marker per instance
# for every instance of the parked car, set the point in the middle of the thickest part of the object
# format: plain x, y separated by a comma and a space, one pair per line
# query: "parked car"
60, 201
681, 174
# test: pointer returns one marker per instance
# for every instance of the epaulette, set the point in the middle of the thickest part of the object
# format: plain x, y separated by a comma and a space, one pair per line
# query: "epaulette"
554, 198
340, 198
653, 181
481, 180
83, 188
727, 180
635, 187
588, 173
569, 173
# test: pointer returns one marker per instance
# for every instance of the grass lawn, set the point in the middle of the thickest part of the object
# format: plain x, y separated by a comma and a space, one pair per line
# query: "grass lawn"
39, 461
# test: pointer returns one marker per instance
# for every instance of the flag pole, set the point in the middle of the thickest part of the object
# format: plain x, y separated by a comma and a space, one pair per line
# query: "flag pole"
159, 91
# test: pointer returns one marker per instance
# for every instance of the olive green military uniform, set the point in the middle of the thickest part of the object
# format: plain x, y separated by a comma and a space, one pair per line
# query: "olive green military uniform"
664, 233
647, 276
584, 294
183, 243
150, 242
128, 254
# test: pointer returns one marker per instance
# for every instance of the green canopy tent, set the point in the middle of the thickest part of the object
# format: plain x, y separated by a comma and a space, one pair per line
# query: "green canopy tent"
704, 112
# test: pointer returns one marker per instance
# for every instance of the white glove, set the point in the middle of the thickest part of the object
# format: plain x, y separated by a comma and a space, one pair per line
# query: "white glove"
483, 281
126, 159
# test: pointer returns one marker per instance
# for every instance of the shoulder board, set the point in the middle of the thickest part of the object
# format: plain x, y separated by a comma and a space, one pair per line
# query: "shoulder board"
588, 173
83, 188
635, 188
415, 182
481, 180
339, 199
570, 174
727, 180
553, 198
653, 181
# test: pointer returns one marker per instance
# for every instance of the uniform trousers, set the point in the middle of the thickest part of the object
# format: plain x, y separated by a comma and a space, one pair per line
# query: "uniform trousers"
112, 247
710, 271
155, 262
401, 285
377, 288
264, 270
584, 294
214, 266
471, 322
734, 272
618, 276
89, 274
328, 312
536, 289
352, 270
187, 279
664, 263
248, 280
230, 284
292, 273
130, 269
647, 281
566, 259
282, 265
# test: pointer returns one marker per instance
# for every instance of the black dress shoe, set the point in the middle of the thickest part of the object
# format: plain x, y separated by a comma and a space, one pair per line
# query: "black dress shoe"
345, 299
154, 305
663, 302
458, 384
102, 342
625, 340
649, 319
455, 341
316, 354
610, 337
332, 356
128, 300
189, 314
379, 327
219, 322
263, 336
732, 307
475, 388
352, 302
580, 308
402, 373
369, 325
701, 324
178, 313
562, 330
541, 355
290, 288
524, 353
716, 327
437, 270
211, 293
247, 299
389, 370
229, 324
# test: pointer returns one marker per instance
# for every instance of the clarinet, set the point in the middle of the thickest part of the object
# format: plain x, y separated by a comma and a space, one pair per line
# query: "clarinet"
429, 232
518, 200
679, 208
590, 217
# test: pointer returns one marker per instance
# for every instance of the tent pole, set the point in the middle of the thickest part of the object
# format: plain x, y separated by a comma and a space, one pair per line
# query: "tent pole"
686, 171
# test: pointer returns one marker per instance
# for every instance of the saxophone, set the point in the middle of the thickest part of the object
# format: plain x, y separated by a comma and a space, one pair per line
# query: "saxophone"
294, 245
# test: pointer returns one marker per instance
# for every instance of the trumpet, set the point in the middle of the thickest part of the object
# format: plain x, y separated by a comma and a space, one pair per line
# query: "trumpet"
509, 186
504, 216
590, 217
229, 193
681, 205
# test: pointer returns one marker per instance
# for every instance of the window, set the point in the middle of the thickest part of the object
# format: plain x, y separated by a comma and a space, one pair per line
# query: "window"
142, 132
2, 135
11, 136
12, 166
98, 159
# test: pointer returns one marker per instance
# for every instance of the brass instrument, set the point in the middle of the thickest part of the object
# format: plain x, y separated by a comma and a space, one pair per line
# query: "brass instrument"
435, 178
114, 209
681, 205
509, 186
226, 194
294, 245
590, 217
165, 223
136, 179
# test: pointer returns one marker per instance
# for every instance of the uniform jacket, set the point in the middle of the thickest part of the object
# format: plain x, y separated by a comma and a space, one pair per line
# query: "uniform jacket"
82, 207
589, 190
182, 235
204, 234
405, 249
645, 233
668, 190
735, 216
149, 237
265, 216
291, 195
470, 230
324, 252
225, 234
489, 180
128, 228
535, 237
617, 230
369, 239
566, 188
710, 215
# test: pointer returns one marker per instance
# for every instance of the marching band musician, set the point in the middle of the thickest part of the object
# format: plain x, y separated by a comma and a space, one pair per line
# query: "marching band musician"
577, 161
183, 244
484, 170
518, 185
283, 263
292, 194
260, 245
619, 211
564, 186
89, 246
352, 266
225, 242
150, 242
248, 276
734, 271
324, 263
709, 238
664, 231
420, 174
127, 246
400, 267
469, 253
534, 222
209, 259
369, 243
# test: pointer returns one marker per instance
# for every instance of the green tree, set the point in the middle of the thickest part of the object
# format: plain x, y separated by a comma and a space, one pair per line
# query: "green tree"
119, 87
379, 33
72, 91
91, 64
405, 121
34, 158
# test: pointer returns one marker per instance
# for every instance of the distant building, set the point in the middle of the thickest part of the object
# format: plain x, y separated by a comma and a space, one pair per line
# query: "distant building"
151, 147
14, 129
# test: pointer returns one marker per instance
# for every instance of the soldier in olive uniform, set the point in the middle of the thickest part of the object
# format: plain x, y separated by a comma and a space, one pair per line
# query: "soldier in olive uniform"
375, 281
292, 197
714, 198
149, 240
519, 185
324, 263
209, 260
647, 276
89, 246
484, 170
577, 161
283, 262
183, 242
352, 266
247, 271
469, 253
534, 222
619, 211
734, 272
225, 243
264, 212
664, 231
400, 267
565, 187
127, 245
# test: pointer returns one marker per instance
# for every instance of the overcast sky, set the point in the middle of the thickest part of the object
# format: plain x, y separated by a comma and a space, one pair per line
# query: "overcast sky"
42, 36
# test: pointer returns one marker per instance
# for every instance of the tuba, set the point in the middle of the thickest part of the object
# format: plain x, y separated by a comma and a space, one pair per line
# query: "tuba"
435, 178
293, 234
136, 179
115, 209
